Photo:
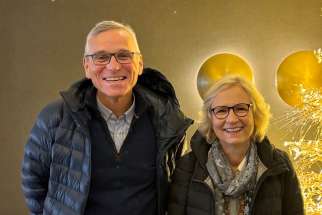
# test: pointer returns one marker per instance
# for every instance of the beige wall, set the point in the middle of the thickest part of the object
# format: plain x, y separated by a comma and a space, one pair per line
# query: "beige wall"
42, 43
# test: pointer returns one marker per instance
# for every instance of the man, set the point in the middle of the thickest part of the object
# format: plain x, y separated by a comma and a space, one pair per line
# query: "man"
109, 145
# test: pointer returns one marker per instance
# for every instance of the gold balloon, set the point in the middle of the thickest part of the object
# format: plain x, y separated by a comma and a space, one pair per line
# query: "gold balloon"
298, 71
217, 66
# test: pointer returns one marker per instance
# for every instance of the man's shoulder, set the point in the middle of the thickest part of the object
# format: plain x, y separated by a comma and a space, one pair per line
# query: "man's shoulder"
161, 105
51, 113
157, 86
52, 107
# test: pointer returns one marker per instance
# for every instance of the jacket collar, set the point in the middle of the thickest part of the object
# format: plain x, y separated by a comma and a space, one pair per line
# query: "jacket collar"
152, 87
81, 92
266, 151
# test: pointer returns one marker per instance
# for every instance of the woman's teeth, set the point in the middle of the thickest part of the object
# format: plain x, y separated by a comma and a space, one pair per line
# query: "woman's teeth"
232, 129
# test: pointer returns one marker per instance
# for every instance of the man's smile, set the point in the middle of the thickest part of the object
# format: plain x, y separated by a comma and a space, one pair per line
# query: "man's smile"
115, 78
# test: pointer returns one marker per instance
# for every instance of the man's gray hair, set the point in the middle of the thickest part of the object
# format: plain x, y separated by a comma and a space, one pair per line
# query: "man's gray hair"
111, 25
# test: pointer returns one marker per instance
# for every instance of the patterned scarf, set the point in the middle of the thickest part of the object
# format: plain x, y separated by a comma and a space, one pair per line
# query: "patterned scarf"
228, 185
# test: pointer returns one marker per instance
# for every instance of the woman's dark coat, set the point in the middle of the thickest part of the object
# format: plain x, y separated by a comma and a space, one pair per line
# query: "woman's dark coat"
277, 191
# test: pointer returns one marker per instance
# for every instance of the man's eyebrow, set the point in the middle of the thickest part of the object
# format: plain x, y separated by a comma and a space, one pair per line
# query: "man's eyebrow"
105, 52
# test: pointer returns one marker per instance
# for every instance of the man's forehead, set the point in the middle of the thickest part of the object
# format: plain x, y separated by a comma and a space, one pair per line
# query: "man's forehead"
115, 36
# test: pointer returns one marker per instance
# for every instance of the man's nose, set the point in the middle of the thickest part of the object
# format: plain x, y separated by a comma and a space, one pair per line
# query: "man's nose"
113, 64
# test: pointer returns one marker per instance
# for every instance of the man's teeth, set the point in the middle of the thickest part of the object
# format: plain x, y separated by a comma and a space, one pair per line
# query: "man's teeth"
114, 78
232, 129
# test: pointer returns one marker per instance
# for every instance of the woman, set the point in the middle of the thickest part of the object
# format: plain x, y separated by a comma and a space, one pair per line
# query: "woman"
232, 168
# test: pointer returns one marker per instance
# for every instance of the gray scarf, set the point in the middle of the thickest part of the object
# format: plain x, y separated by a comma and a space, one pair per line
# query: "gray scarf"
226, 183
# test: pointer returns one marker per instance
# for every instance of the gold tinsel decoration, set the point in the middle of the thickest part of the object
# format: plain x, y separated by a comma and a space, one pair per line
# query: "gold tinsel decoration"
307, 154
307, 162
304, 122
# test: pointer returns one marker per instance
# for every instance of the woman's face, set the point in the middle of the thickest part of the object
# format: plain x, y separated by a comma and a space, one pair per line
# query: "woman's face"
233, 130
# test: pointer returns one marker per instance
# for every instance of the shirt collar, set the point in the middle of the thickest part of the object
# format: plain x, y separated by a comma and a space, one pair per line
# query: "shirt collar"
242, 164
108, 114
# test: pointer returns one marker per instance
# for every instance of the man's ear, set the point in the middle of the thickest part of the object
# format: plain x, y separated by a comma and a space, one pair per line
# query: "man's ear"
141, 65
86, 67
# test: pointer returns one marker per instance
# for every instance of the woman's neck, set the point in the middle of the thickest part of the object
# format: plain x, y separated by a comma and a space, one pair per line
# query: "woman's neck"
235, 153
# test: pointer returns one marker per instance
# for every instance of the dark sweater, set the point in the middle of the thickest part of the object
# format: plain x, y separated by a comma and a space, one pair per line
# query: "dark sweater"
124, 182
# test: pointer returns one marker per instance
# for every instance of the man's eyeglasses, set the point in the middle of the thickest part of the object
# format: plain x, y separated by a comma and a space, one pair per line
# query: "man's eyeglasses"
104, 58
221, 112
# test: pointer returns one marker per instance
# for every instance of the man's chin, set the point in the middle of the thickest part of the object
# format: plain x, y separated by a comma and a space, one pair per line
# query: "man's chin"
114, 94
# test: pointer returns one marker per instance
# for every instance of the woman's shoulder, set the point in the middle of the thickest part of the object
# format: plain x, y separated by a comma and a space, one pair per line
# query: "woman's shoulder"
281, 155
186, 162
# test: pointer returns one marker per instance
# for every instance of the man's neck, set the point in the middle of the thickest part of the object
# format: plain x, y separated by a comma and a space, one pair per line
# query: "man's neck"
118, 105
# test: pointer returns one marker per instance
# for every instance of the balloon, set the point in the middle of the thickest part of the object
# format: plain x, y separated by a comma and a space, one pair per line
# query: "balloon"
217, 66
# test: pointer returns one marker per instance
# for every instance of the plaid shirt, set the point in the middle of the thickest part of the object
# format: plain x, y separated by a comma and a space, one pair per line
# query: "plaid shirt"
117, 126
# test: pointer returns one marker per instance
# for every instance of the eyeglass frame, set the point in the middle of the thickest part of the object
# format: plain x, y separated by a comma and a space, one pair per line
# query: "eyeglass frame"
249, 105
112, 55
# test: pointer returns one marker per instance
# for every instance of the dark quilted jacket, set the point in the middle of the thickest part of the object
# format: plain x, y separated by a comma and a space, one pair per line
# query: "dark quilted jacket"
56, 169
277, 192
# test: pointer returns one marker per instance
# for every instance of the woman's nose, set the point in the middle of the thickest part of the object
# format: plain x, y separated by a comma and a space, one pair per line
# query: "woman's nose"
231, 117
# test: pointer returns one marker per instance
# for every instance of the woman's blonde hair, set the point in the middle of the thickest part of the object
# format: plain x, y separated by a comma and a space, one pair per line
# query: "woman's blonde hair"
260, 108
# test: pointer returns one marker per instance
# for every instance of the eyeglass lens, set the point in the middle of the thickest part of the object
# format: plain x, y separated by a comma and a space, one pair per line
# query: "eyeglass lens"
105, 58
222, 112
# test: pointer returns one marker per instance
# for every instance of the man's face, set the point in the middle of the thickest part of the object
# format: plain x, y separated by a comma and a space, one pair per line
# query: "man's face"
113, 80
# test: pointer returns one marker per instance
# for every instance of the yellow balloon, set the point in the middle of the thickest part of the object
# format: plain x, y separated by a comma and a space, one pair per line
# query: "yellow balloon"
217, 66
300, 69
